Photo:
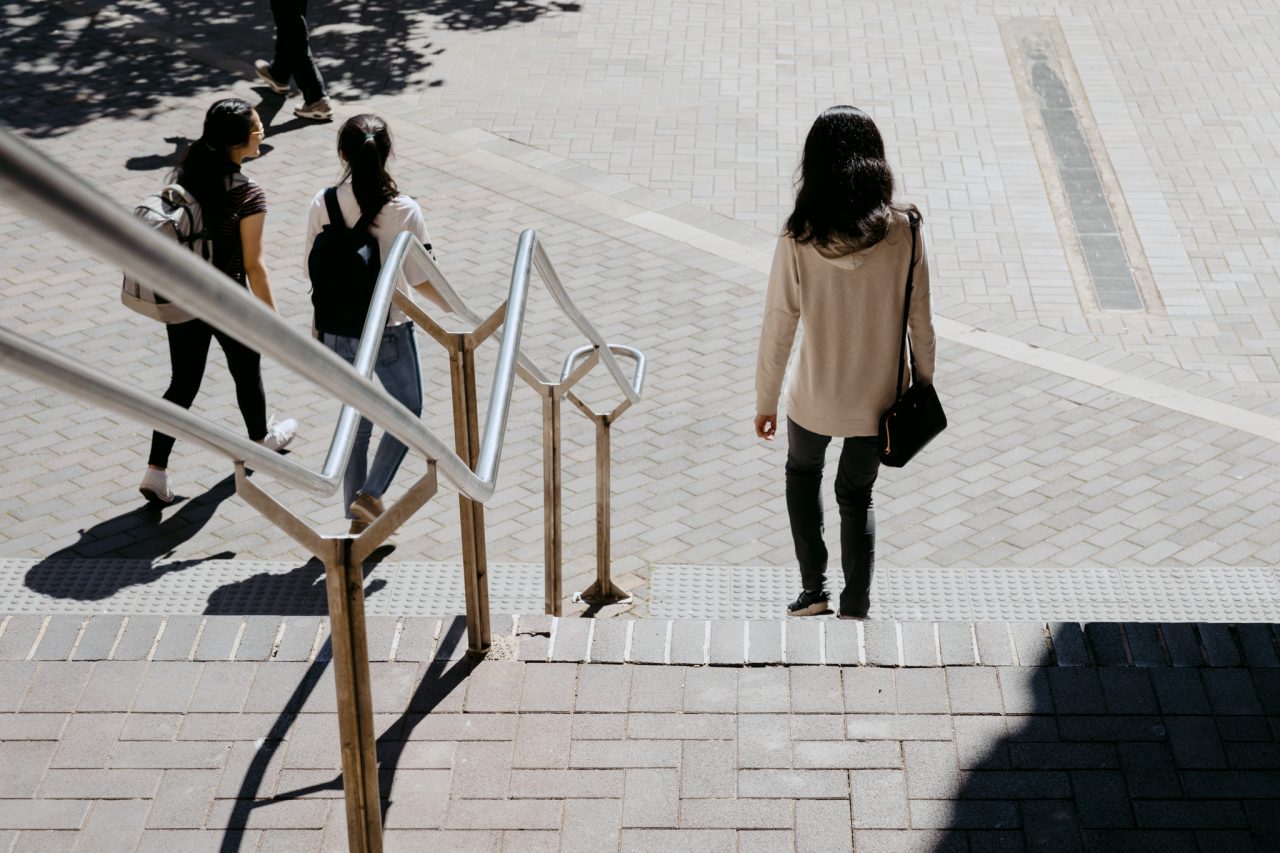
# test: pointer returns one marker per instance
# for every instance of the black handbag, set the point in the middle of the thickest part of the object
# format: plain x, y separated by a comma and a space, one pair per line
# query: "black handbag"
917, 416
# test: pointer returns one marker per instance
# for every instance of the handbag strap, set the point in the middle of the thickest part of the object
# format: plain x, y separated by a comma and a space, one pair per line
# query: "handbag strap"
904, 348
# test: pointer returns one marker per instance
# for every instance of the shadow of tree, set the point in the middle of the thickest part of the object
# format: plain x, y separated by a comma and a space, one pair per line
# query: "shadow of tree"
138, 539
71, 62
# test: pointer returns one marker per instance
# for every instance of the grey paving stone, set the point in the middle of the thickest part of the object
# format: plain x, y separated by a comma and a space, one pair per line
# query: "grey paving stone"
571, 639
86, 784
822, 826
299, 638
898, 727
652, 799
167, 686
764, 740
1031, 642
1128, 691
981, 742
973, 690
994, 646
188, 755
258, 638
736, 814
710, 690
793, 784
138, 639
380, 631
551, 687
43, 814
417, 638
481, 770
932, 770
909, 840
1063, 756
816, 690
765, 690
15, 678
841, 642
223, 687
869, 691
532, 648
494, 687
657, 689
56, 686
1218, 644
98, 637
566, 784
178, 639
603, 689
688, 642
843, 754
1195, 743
1231, 784
878, 799
694, 841
1050, 826
727, 642
765, 840
922, 691
955, 639
1144, 644
1110, 728
286, 814
1182, 643
183, 799
680, 726
1016, 785
625, 755
1184, 814
25, 763
708, 769
218, 639
1230, 691
919, 646
881, 639
649, 641
1258, 645
1068, 644
1076, 691
1106, 643
804, 641
764, 642
59, 637
111, 686
20, 635
609, 640
591, 824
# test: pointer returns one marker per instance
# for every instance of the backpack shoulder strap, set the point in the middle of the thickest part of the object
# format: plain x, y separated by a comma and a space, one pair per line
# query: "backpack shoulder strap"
335, 212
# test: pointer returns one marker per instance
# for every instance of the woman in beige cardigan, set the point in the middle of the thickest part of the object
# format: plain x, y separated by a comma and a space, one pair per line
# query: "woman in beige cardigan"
840, 267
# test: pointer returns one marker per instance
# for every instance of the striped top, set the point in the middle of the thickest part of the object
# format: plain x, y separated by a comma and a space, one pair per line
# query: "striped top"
244, 198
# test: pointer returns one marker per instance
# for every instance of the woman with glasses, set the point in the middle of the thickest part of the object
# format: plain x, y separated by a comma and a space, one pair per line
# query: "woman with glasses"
234, 209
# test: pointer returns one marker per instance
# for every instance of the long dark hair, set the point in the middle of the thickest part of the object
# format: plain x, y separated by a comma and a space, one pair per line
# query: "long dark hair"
844, 195
365, 143
205, 166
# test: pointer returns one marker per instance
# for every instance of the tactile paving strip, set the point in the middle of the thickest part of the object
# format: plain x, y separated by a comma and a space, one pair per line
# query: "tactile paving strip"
139, 587
1185, 594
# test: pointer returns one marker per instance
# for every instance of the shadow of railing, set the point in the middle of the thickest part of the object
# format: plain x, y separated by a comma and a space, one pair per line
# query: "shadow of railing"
1129, 737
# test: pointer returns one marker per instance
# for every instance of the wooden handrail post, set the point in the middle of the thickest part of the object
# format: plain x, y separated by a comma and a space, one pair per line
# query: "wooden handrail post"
466, 432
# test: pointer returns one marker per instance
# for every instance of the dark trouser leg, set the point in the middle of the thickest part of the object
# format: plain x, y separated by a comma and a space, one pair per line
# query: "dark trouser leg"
246, 371
806, 452
293, 49
188, 352
859, 466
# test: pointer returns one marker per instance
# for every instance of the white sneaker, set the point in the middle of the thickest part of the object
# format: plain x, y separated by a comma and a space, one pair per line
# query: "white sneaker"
155, 487
280, 433
263, 69
316, 110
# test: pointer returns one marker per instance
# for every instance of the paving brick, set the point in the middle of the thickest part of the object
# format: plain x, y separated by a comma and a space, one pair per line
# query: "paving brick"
869, 691
511, 814
1128, 691
708, 769
900, 727
649, 641
167, 686
765, 690
1107, 643
298, 639
591, 824
218, 639
651, 799
192, 755
711, 690
111, 686
1230, 691
764, 642
1031, 642
656, 689
881, 643
793, 784
1016, 785
549, 687
740, 814
727, 647
764, 740
380, 632
994, 645
609, 640
625, 755
688, 642
955, 640
981, 742
694, 841
1144, 644
816, 690
114, 825
919, 645
1076, 691
494, 687
56, 686
20, 635
963, 814
1063, 756
922, 691
822, 826
138, 639
932, 770
419, 799
417, 638
871, 754
571, 639
1194, 742
43, 814
178, 638
1068, 644
286, 814
1182, 643
542, 741
223, 686
98, 637
1258, 645
878, 799
841, 642
15, 678
603, 688
1050, 826
804, 641
25, 763
1183, 814
183, 800
1218, 644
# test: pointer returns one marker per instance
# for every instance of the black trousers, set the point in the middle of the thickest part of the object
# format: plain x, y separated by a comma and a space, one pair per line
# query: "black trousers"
859, 465
188, 354
293, 49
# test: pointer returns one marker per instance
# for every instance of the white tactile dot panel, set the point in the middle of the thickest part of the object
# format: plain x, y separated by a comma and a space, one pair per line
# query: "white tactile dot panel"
1209, 594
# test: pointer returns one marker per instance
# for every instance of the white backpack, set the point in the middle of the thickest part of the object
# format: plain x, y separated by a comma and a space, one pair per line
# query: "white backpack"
176, 214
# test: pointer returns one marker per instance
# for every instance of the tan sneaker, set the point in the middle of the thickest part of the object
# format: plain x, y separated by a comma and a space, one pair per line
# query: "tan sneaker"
263, 70
366, 507
357, 527
316, 110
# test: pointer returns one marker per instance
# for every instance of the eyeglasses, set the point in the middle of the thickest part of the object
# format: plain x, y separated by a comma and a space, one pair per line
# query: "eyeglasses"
258, 131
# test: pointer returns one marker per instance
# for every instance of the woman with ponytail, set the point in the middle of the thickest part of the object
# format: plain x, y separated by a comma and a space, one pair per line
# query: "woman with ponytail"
840, 268
367, 190
234, 209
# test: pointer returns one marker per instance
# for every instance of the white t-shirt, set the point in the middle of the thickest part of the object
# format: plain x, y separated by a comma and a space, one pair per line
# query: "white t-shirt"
399, 214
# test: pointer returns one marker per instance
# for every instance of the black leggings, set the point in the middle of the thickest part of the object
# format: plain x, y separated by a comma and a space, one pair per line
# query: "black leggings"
859, 465
293, 49
188, 353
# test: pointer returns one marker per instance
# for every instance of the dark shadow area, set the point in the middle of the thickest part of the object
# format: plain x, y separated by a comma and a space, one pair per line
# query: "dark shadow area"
444, 673
141, 536
66, 65
300, 592
1133, 737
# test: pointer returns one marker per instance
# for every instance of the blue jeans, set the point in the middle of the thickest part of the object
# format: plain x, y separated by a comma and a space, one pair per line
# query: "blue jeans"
397, 367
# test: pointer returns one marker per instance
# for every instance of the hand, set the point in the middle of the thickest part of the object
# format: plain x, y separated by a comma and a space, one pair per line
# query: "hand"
766, 426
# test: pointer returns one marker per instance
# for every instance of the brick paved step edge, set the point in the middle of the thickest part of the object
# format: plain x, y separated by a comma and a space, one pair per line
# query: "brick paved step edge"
790, 642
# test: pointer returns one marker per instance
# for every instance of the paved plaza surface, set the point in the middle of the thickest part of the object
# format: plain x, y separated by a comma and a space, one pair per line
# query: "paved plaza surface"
1102, 466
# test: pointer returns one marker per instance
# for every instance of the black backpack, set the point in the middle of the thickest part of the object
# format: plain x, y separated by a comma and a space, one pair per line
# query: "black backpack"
343, 265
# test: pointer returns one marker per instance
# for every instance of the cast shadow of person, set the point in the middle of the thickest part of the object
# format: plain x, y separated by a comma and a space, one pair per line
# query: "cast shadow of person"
299, 592
136, 542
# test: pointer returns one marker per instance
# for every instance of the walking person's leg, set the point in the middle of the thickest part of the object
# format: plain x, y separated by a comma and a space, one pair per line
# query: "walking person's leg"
356, 472
188, 353
245, 365
859, 466
277, 72
400, 371
806, 454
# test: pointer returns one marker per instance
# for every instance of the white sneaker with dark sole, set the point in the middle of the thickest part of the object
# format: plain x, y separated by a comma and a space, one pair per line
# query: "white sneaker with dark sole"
280, 433
316, 110
155, 487
263, 69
